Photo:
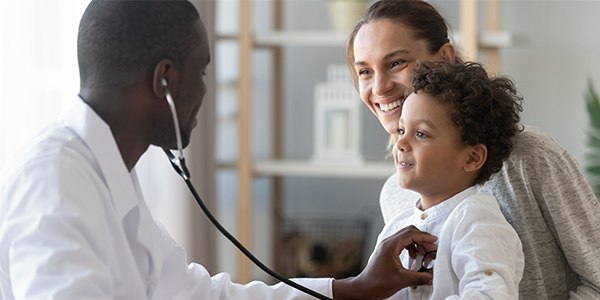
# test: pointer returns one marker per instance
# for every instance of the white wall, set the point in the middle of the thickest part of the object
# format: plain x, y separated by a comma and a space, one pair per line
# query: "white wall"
557, 47
38, 67
558, 51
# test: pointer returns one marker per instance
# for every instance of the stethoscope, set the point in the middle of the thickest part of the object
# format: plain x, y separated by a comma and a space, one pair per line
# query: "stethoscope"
178, 163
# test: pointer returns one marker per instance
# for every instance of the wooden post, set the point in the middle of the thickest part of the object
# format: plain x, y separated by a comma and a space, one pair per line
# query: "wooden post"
244, 164
277, 129
493, 24
468, 29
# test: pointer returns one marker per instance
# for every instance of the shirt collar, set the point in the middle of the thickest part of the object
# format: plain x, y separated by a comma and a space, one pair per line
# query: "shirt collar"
96, 134
447, 206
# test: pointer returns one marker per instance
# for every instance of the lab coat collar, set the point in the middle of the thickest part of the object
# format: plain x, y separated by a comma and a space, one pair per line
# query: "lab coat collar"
96, 134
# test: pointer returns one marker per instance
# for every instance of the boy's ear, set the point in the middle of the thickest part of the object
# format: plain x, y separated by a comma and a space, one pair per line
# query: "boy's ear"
475, 158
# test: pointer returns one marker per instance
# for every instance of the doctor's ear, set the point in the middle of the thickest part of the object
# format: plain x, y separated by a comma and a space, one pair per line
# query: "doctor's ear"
163, 75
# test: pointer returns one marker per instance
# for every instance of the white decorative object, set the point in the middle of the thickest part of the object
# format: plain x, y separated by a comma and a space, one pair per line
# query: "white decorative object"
337, 119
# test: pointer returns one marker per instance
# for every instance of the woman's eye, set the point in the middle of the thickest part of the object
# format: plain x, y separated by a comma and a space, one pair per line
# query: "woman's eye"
364, 72
398, 63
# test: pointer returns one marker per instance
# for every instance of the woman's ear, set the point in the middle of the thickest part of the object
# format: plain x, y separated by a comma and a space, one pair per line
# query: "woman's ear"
163, 73
475, 158
447, 53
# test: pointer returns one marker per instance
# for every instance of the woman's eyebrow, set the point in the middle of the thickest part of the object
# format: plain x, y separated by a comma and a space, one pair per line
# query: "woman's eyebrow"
386, 57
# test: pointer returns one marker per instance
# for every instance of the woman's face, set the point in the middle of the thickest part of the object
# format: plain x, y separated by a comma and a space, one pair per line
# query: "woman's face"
385, 53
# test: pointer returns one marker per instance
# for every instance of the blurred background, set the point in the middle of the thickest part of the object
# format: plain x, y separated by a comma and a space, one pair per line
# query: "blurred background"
261, 178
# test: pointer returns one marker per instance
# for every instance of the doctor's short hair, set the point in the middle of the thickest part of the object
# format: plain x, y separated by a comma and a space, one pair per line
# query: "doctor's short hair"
484, 109
119, 40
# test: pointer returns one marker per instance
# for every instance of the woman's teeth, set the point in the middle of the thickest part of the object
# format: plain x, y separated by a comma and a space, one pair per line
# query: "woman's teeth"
389, 106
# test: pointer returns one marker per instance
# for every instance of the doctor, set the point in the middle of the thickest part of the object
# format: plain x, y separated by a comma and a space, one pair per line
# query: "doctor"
73, 223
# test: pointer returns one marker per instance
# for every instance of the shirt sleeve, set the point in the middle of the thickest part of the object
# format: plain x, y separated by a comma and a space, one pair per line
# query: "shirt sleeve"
182, 281
46, 249
487, 257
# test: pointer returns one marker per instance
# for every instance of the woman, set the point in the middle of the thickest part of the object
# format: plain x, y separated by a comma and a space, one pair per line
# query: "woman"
540, 189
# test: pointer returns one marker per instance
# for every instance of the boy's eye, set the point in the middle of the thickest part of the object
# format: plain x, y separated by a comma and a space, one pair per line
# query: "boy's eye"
421, 134
400, 131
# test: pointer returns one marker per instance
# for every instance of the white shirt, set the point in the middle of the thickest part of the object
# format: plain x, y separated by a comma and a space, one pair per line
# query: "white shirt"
74, 225
479, 254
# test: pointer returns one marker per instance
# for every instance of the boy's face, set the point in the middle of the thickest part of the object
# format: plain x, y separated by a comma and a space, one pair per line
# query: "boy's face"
429, 154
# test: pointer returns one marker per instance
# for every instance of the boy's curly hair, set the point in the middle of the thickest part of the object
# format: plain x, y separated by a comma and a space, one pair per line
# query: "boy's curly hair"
485, 110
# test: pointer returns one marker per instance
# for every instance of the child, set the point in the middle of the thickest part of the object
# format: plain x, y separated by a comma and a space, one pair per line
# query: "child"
455, 131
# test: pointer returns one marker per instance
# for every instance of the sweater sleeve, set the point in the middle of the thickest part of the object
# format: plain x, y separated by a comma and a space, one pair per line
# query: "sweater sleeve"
546, 198
573, 214
394, 199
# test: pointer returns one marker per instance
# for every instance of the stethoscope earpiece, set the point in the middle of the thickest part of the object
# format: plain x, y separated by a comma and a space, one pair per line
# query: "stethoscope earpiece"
175, 124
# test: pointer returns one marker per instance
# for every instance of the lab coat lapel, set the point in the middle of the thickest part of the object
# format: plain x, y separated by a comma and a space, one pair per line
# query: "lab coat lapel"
148, 235
124, 186
98, 137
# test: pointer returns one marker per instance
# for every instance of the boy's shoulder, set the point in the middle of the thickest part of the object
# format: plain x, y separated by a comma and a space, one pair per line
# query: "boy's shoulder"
476, 207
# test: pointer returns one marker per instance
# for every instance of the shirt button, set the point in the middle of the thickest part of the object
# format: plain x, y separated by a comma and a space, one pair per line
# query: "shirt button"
488, 273
423, 216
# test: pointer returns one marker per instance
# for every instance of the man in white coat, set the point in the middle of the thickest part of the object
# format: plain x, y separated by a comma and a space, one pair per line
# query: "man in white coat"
73, 222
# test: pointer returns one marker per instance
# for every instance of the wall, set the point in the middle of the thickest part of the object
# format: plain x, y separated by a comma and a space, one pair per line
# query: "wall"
38, 67
556, 48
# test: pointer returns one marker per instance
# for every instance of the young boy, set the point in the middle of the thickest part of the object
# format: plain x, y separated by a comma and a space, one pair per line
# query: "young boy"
455, 131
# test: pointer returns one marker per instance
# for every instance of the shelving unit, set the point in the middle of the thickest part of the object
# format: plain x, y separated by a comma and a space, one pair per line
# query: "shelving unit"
247, 168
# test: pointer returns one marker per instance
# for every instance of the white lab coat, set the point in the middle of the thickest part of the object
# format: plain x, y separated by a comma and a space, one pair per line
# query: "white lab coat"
74, 225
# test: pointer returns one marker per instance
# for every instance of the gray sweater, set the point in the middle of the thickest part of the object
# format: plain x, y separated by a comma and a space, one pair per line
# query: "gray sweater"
545, 197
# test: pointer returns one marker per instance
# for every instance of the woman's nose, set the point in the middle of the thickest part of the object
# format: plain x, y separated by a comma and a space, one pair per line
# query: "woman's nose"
382, 85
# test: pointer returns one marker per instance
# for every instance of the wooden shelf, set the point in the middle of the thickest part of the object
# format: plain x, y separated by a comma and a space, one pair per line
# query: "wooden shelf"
300, 168
307, 168
490, 39
300, 38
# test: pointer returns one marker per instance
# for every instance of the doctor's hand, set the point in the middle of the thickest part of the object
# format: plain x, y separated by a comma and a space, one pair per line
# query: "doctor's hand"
384, 275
